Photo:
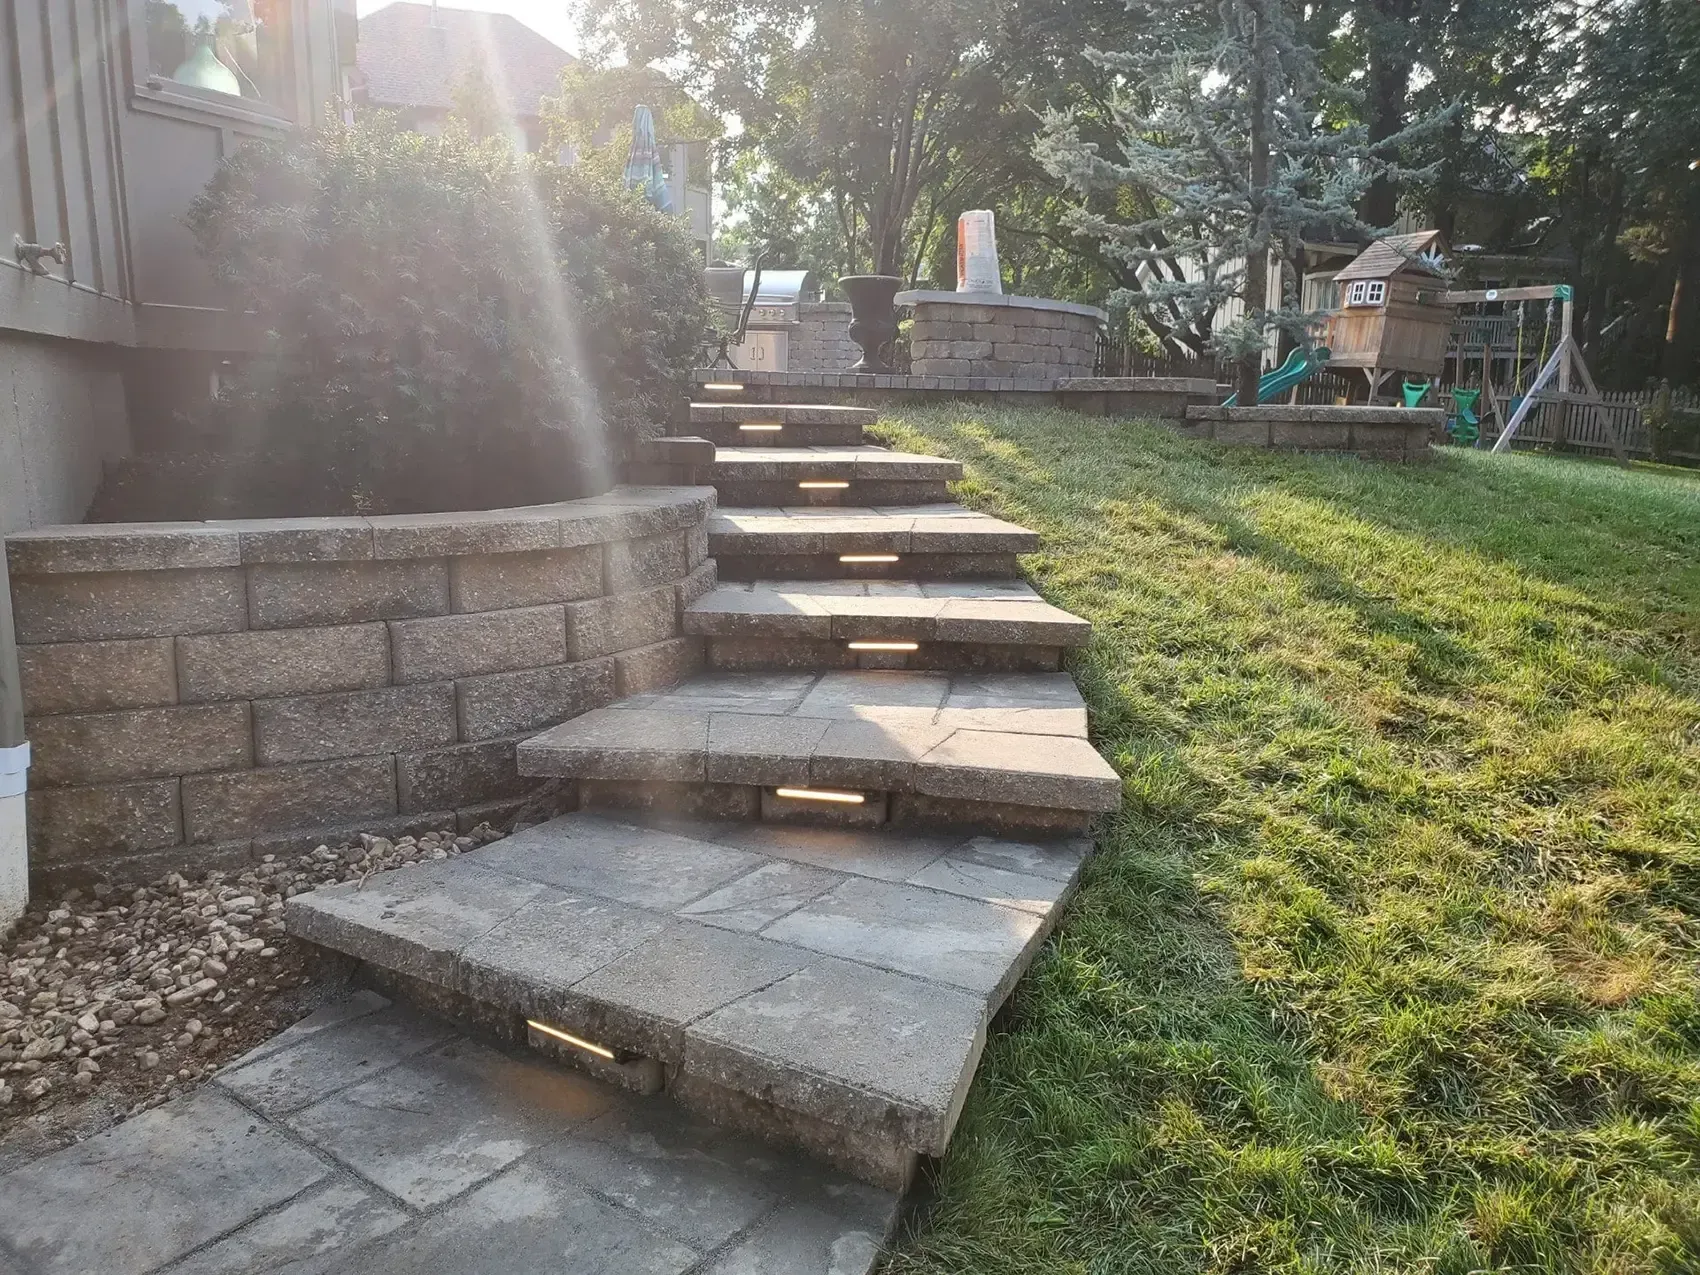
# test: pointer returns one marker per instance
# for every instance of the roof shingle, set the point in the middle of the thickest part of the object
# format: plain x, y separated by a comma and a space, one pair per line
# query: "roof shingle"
408, 62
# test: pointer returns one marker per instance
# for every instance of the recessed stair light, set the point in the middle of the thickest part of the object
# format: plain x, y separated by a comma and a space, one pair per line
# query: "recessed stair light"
821, 794
723, 387
867, 557
761, 427
885, 646
823, 484
555, 1033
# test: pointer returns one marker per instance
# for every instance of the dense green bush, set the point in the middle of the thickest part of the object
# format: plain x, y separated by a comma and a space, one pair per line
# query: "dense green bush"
1673, 431
451, 324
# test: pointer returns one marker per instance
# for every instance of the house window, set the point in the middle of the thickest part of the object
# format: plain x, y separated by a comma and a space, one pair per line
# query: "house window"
225, 48
1367, 292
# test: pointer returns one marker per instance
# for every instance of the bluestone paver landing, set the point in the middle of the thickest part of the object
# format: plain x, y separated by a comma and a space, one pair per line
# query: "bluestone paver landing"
372, 1139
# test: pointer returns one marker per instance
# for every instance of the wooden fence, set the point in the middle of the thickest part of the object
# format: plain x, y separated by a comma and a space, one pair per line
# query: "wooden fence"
1116, 358
1574, 423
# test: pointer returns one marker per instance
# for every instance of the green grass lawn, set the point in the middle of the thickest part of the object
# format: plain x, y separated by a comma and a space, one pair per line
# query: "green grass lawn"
1389, 962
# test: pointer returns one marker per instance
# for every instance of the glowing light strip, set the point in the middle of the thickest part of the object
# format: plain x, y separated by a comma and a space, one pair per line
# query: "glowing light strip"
867, 557
821, 794
570, 1039
762, 427
885, 646
822, 484
728, 387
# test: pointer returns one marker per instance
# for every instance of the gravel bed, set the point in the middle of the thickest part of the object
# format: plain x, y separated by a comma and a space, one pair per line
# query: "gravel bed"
131, 992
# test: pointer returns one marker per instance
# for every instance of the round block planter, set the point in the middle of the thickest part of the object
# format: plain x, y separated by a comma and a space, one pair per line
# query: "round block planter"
200, 693
990, 335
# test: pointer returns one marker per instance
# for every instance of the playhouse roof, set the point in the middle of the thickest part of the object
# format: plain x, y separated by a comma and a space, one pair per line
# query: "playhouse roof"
1387, 257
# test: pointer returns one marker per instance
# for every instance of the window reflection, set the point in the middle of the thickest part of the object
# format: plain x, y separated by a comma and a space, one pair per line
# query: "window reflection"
232, 47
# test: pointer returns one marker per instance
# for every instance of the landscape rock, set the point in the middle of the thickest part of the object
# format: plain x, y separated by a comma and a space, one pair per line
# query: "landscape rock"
101, 985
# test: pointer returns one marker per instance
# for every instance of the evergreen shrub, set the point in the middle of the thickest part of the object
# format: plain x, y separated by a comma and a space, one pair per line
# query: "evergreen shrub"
451, 324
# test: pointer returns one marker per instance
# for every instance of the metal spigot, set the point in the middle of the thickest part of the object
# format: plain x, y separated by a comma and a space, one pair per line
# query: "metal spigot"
30, 254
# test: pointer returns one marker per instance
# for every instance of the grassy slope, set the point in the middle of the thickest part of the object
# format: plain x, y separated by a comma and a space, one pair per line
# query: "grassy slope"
1389, 962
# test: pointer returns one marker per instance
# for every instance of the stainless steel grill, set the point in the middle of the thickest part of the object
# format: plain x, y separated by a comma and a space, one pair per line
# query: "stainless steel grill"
778, 310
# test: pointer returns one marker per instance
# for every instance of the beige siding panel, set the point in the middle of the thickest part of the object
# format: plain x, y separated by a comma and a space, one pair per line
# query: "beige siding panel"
15, 211
29, 49
81, 234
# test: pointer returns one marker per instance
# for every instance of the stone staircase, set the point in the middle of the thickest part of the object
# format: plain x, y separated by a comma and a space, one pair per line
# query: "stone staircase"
798, 884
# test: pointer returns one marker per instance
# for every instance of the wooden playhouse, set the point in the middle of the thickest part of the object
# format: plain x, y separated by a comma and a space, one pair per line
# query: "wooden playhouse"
1380, 324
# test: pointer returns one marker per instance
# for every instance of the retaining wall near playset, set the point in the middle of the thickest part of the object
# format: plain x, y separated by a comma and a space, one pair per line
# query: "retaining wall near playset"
1374, 433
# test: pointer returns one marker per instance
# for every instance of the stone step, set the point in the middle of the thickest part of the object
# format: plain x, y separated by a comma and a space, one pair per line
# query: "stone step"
780, 424
823, 624
841, 476
828, 989
890, 542
993, 752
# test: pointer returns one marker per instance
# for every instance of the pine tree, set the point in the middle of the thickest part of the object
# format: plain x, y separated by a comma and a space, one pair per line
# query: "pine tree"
1229, 134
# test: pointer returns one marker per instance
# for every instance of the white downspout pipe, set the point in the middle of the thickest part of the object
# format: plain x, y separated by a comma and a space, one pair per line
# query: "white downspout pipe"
14, 769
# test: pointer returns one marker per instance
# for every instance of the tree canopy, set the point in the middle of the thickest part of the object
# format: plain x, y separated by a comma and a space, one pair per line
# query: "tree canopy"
860, 132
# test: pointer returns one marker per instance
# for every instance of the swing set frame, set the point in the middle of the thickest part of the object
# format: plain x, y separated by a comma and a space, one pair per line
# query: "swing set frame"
1566, 363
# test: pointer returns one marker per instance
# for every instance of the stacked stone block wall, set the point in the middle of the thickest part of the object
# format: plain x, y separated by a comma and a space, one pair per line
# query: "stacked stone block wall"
949, 339
201, 692
1373, 433
821, 342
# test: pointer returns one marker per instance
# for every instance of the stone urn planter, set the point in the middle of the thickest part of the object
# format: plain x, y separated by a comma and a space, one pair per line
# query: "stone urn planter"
873, 317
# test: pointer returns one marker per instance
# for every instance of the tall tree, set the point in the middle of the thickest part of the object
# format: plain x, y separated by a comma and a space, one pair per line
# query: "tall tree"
1240, 164
866, 100
1618, 103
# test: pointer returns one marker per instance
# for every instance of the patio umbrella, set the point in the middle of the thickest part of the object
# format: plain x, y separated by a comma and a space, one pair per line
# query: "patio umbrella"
643, 163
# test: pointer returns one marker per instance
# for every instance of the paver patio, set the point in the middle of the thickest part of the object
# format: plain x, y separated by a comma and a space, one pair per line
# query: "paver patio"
374, 1138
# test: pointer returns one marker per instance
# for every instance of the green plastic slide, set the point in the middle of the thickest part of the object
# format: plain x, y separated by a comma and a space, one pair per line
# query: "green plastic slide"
1300, 365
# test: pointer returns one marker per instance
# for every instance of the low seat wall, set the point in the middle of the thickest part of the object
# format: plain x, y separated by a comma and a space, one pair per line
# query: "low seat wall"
1375, 433
990, 335
199, 693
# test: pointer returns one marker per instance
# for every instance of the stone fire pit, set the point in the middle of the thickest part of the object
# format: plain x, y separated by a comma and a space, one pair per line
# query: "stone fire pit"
991, 335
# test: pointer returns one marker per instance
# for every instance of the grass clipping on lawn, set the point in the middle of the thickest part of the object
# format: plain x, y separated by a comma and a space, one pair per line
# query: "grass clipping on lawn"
1388, 962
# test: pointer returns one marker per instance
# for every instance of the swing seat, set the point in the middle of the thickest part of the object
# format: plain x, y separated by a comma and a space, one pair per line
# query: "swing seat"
1465, 426
1415, 392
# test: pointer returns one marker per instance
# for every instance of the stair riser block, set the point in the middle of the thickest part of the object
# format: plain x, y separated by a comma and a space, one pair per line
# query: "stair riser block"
735, 565
875, 1158
861, 493
802, 434
732, 407
756, 654
753, 803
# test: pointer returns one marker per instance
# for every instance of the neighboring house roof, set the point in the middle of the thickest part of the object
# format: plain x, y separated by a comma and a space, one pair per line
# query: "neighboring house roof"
1387, 257
407, 61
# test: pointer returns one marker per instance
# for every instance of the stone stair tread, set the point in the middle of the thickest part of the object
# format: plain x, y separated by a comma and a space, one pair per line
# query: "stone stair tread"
847, 975
990, 613
1011, 738
893, 529
748, 464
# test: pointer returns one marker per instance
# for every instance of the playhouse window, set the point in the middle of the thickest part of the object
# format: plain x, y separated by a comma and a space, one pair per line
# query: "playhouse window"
1367, 292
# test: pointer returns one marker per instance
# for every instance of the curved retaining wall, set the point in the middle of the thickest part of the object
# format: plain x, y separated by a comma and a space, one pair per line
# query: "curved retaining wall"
986, 334
198, 693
